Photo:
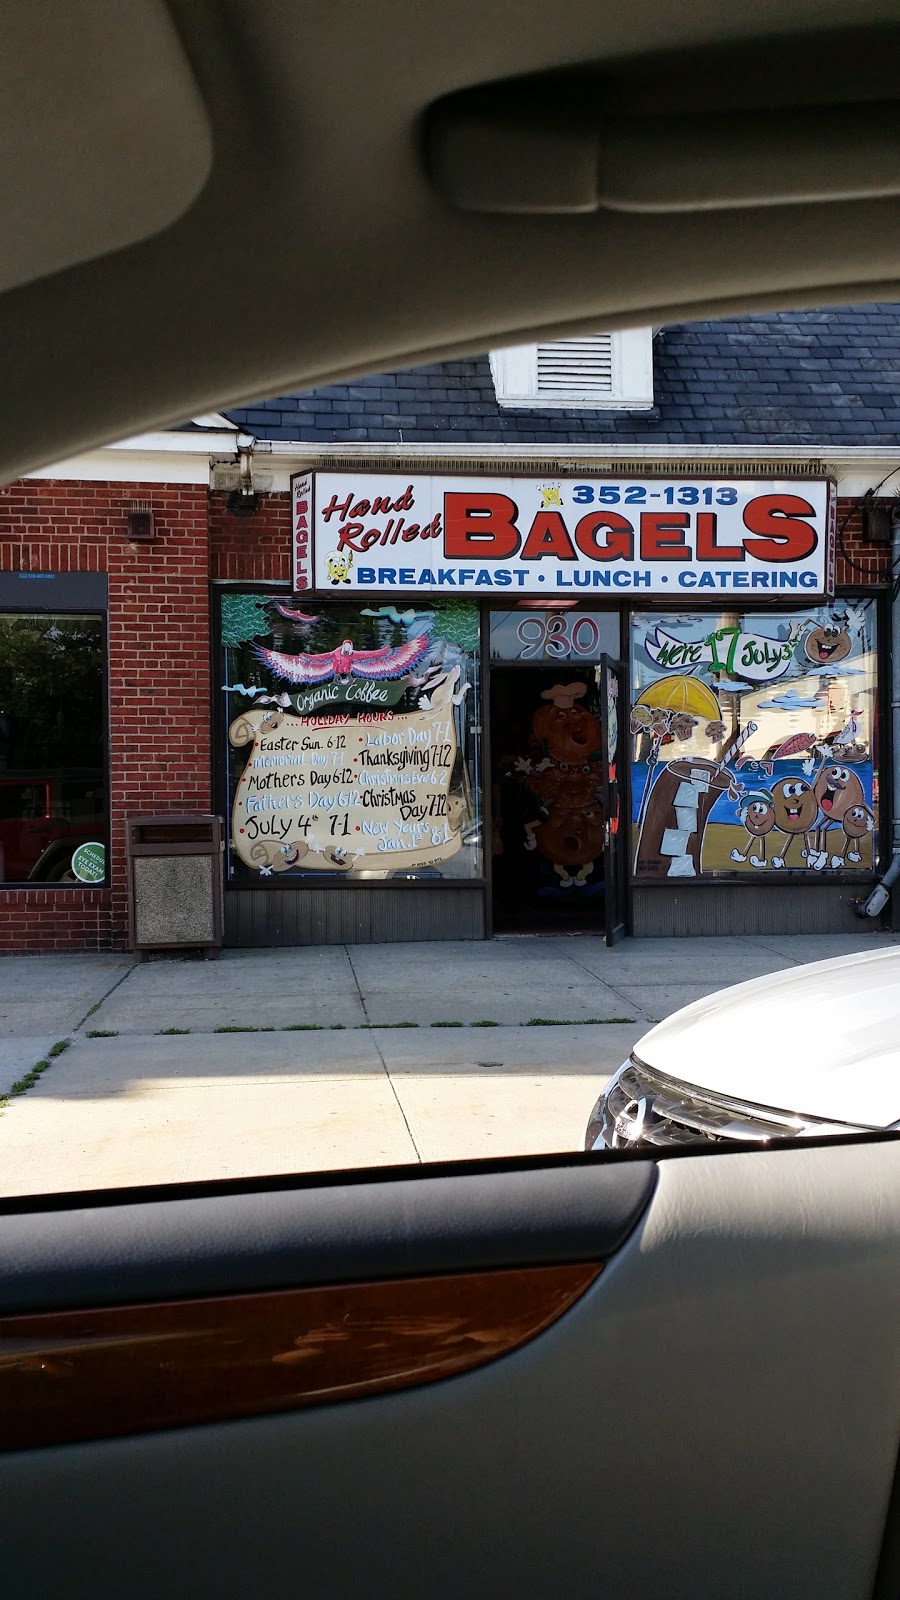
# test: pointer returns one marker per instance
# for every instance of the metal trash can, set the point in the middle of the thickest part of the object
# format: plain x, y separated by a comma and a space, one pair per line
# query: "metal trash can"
175, 883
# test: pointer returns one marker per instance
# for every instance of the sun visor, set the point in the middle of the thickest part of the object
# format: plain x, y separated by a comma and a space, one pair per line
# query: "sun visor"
679, 135
104, 139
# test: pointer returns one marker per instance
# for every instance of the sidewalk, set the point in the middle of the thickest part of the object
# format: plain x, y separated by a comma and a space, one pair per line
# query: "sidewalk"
284, 1060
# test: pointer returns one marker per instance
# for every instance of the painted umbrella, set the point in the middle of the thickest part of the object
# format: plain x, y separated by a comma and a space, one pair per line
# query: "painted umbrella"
681, 693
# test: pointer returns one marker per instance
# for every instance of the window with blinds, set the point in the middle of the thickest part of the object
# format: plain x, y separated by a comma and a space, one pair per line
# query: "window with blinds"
604, 371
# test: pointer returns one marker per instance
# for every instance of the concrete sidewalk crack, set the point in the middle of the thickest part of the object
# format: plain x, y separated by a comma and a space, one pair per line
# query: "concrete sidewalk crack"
794, 960
374, 1039
362, 998
29, 1079
103, 998
630, 1005
402, 1112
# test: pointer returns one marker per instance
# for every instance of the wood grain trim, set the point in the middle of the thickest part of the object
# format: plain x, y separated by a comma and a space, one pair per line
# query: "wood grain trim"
76, 1375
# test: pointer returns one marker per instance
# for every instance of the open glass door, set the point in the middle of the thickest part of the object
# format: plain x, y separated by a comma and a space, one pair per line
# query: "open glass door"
612, 705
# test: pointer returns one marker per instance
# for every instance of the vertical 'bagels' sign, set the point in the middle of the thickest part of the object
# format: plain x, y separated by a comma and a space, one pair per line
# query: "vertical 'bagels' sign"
301, 522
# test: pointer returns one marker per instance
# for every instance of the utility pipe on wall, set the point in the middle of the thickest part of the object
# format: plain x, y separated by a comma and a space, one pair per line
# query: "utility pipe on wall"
877, 900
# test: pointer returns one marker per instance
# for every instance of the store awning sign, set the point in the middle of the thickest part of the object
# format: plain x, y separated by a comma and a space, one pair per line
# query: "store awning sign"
584, 537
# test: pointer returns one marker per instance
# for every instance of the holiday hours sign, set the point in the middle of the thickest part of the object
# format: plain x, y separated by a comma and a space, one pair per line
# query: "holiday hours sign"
587, 536
338, 793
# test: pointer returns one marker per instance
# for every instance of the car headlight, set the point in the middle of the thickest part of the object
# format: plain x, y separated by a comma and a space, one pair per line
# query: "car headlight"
600, 1133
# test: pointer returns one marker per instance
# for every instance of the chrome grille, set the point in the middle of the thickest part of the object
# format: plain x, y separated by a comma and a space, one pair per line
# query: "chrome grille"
647, 1108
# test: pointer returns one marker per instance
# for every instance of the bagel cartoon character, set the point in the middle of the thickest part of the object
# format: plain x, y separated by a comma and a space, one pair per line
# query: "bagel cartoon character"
339, 567
290, 855
570, 833
572, 841
571, 789
269, 857
836, 789
857, 821
569, 733
757, 813
796, 809
828, 644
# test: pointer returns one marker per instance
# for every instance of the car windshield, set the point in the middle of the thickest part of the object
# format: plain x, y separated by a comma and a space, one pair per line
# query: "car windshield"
381, 766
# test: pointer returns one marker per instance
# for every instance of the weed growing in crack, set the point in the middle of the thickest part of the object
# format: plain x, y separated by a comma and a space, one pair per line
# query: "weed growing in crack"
573, 1022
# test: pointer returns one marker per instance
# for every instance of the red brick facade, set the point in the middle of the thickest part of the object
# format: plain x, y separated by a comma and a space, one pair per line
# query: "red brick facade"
253, 549
159, 696
159, 654
858, 563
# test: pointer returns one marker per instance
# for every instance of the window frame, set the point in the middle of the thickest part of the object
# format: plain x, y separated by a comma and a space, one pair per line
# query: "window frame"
287, 883
68, 603
790, 877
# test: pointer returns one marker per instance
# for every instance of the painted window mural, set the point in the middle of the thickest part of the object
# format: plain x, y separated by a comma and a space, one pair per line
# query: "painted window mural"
352, 748
754, 743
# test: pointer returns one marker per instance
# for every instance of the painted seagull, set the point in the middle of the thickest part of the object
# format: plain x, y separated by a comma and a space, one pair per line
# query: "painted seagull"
346, 662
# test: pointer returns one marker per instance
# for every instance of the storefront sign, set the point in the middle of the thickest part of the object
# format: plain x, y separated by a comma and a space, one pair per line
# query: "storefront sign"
301, 522
339, 793
696, 537
357, 693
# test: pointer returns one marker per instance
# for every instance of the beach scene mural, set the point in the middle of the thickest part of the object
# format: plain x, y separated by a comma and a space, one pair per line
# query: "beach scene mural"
754, 743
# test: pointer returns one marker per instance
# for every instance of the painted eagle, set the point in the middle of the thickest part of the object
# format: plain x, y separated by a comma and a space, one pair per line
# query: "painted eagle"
346, 662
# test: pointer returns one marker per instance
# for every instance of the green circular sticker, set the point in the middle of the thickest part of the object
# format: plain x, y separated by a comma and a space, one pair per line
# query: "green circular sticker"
89, 863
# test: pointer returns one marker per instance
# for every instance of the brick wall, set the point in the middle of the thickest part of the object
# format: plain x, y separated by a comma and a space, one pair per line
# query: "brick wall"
159, 698
253, 549
858, 563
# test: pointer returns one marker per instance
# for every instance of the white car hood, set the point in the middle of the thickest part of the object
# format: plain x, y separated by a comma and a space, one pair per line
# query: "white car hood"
821, 1040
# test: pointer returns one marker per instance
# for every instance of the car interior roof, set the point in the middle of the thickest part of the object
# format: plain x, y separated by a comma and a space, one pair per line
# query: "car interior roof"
208, 202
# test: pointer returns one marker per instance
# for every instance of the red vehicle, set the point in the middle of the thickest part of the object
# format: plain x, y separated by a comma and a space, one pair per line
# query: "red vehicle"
44, 817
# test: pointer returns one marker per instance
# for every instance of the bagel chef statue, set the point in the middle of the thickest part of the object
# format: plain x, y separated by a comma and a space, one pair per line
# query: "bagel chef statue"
566, 780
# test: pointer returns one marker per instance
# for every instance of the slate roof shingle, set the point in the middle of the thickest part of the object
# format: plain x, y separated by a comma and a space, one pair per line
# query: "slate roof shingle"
796, 378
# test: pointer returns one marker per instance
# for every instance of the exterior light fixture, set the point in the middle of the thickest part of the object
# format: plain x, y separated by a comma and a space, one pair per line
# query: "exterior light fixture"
244, 502
877, 518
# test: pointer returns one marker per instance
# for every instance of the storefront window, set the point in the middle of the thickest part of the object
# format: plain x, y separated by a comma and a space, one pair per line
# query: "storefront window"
53, 817
754, 743
352, 740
